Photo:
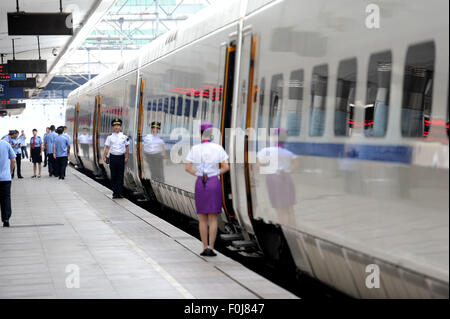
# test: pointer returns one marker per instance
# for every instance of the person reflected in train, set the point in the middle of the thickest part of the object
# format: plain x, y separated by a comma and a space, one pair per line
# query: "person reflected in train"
47, 130
7, 163
208, 188
280, 186
15, 143
61, 152
84, 140
36, 153
66, 135
155, 152
23, 144
117, 146
49, 142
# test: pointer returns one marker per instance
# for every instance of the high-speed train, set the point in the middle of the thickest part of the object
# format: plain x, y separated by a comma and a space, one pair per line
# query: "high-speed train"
358, 92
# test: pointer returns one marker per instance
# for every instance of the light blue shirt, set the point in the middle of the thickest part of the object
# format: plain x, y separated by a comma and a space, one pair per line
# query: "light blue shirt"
17, 149
61, 144
5, 138
50, 141
22, 141
38, 141
6, 153
67, 136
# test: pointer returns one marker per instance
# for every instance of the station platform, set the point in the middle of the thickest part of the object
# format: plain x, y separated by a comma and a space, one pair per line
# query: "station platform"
69, 239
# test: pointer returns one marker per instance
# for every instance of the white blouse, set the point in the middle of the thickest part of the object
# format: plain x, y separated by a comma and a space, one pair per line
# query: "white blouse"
117, 143
207, 157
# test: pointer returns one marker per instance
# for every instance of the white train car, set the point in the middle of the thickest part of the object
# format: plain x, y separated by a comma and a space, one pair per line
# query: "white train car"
361, 183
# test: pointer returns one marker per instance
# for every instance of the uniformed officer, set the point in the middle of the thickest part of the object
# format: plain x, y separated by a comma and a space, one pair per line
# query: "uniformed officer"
47, 131
117, 145
7, 162
36, 152
15, 143
61, 152
49, 141
23, 144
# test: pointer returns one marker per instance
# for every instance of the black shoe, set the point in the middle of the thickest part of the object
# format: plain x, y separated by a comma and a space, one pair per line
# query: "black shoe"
20, 177
210, 253
6, 224
205, 252
50, 175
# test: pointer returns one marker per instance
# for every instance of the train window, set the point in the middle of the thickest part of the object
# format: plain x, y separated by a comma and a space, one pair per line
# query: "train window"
276, 100
219, 107
345, 97
180, 112
417, 90
294, 103
187, 111
378, 94
318, 100
262, 90
195, 108
205, 105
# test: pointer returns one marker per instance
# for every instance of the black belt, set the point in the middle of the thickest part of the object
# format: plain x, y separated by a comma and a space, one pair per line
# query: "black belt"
117, 155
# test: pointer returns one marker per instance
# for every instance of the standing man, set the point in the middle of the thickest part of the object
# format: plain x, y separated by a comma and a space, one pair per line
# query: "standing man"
7, 163
49, 142
36, 152
15, 144
47, 130
61, 152
117, 144
23, 144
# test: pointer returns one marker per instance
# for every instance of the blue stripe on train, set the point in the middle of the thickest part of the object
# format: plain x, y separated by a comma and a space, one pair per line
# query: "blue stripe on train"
384, 153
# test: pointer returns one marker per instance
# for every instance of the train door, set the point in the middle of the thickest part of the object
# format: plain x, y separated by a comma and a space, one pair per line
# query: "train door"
227, 99
242, 115
139, 128
75, 133
96, 135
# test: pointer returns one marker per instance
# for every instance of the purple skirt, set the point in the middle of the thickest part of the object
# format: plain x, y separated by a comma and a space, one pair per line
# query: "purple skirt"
281, 190
208, 197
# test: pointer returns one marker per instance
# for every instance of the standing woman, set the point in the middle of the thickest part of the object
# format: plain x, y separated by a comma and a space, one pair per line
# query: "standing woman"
208, 189
36, 152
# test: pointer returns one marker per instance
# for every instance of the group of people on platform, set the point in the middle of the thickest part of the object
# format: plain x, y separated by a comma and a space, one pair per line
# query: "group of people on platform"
13, 148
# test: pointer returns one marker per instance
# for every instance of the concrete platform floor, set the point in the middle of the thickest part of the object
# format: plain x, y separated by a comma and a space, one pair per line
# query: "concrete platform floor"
69, 239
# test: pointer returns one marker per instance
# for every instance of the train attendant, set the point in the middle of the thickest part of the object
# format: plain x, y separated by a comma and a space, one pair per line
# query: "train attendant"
117, 145
36, 152
155, 152
208, 189
7, 163
61, 152
15, 143
47, 130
